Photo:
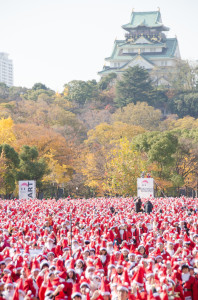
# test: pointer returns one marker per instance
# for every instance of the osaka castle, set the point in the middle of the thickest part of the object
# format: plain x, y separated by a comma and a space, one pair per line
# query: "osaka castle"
146, 45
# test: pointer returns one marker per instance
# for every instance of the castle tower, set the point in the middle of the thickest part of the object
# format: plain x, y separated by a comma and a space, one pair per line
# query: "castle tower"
146, 45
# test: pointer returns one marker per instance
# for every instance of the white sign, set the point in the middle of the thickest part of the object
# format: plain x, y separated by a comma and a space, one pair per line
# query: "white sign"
27, 189
145, 187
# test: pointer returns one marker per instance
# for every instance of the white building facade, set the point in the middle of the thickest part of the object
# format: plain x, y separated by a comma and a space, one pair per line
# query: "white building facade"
6, 69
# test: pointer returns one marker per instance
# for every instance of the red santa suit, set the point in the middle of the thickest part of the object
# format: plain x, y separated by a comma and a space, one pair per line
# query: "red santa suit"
189, 287
30, 284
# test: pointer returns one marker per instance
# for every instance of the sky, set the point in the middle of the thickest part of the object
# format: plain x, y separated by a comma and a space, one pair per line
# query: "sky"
56, 41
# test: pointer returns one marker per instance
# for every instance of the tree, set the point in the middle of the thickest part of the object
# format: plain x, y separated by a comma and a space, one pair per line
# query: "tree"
107, 81
183, 77
124, 166
81, 91
134, 85
140, 114
39, 86
160, 149
31, 167
59, 173
101, 140
185, 103
9, 162
6, 130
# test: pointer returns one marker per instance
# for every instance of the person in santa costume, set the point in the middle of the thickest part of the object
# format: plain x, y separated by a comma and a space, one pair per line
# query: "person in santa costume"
188, 283
30, 282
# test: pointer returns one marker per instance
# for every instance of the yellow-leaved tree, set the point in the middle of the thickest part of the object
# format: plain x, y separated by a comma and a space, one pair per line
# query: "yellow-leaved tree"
101, 141
60, 173
6, 131
123, 168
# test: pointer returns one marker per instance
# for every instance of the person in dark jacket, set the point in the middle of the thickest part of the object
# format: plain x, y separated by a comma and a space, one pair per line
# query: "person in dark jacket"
138, 205
148, 207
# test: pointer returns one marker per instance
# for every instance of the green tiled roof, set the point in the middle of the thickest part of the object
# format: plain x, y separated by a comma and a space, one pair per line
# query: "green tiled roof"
147, 19
142, 45
168, 51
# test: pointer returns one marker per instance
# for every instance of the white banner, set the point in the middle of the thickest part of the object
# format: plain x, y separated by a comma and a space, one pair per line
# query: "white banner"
145, 187
27, 189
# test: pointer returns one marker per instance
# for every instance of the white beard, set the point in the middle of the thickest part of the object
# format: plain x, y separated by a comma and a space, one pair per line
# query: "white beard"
75, 247
103, 258
79, 271
185, 277
95, 284
171, 252
49, 245
114, 295
132, 230
84, 297
88, 275
109, 250
121, 232
8, 295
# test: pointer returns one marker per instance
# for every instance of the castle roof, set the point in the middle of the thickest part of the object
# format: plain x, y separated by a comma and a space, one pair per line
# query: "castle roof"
169, 48
150, 19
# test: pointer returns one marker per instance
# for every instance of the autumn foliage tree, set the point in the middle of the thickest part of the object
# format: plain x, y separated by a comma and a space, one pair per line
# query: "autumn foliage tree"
124, 166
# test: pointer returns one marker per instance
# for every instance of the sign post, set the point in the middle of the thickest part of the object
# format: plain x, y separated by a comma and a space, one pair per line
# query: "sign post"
145, 187
27, 189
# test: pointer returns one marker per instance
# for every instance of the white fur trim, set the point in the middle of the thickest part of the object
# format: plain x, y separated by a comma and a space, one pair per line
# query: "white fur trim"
76, 294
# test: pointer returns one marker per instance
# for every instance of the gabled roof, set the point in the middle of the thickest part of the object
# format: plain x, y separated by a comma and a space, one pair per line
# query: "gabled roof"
169, 48
140, 60
145, 19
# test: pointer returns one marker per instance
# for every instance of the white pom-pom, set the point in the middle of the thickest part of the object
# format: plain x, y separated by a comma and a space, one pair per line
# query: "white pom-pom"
86, 290
62, 286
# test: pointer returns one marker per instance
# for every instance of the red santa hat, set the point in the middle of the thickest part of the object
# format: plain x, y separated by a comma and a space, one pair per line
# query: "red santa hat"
84, 281
149, 270
76, 291
104, 289
111, 262
103, 246
9, 268
9, 281
122, 287
120, 263
99, 265
125, 278
62, 276
71, 266
35, 266
49, 289
20, 287
139, 276
90, 266
65, 245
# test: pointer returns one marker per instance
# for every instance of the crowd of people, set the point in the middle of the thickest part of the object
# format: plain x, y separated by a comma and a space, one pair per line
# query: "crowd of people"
99, 249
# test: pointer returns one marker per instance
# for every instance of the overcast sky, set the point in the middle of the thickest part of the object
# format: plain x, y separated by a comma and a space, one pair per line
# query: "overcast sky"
56, 41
